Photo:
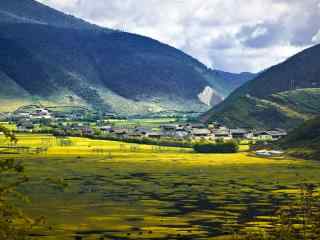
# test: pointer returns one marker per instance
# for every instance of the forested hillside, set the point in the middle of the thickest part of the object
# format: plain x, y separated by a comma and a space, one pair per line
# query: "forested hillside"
48, 56
282, 96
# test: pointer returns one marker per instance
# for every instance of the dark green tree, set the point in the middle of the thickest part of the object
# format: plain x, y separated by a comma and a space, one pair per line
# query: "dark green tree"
9, 134
14, 224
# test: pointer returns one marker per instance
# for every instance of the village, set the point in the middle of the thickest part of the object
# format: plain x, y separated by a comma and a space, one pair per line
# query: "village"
43, 120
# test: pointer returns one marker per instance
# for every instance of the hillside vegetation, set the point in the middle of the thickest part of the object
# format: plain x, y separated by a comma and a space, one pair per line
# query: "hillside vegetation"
305, 140
281, 110
283, 96
133, 67
48, 56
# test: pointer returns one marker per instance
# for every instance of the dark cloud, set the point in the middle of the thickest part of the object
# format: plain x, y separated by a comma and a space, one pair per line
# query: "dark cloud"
261, 35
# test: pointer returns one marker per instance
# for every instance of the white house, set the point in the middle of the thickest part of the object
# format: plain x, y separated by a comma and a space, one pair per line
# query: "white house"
223, 134
262, 136
241, 134
169, 130
201, 134
152, 134
106, 129
277, 134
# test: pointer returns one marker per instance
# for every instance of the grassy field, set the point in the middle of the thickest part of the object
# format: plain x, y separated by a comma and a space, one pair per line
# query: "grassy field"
9, 126
125, 191
146, 122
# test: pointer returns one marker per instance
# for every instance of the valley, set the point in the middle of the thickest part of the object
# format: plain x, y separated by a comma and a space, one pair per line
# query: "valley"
127, 191
161, 120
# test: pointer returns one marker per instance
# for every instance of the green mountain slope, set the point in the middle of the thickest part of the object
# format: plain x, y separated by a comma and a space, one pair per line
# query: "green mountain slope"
304, 141
55, 58
46, 60
282, 96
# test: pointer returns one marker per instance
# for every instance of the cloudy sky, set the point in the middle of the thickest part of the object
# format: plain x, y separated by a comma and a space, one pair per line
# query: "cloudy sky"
232, 35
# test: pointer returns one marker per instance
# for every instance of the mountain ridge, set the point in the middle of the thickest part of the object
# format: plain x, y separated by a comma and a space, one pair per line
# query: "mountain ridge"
30, 11
283, 96
54, 57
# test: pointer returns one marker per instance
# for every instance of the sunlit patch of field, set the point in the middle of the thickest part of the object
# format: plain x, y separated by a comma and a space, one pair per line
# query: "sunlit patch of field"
10, 105
146, 122
124, 191
9, 126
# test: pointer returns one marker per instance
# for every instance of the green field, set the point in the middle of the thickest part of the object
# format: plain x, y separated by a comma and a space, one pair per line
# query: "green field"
145, 122
123, 191
9, 126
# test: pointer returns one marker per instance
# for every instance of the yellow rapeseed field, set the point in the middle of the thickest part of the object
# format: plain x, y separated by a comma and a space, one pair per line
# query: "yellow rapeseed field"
118, 190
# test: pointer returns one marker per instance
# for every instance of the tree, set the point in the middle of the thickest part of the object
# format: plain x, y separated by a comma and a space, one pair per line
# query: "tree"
227, 147
9, 134
14, 224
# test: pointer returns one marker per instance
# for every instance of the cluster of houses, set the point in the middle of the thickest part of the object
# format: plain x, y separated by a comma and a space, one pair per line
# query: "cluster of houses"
26, 122
194, 132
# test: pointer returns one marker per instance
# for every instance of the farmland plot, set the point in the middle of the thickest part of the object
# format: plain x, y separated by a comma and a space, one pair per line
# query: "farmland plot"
123, 191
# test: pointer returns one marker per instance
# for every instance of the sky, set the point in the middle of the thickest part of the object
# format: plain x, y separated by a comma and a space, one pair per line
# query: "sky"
229, 35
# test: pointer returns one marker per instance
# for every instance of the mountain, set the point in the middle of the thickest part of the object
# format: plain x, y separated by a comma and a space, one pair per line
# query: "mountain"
304, 141
30, 11
228, 82
52, 58
283, 96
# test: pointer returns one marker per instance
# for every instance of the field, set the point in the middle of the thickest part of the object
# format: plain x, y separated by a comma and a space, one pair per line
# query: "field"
122, 191
9, 126
146, 122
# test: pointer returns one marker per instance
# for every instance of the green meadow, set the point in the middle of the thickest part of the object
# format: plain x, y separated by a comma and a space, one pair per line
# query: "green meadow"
145, 122
116, 190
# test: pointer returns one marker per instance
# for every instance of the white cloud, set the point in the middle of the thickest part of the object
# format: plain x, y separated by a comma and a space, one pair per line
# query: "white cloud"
251, 58
61, 4
259, 32
212, 31
316, 38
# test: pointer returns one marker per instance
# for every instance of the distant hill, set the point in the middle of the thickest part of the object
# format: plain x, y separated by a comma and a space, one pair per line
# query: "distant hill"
282, 96
228, 82
49, 57
304, 141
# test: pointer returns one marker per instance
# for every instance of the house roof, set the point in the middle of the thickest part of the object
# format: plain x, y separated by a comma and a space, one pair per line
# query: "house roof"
169, 126
276, 133
141, 129
106, 127
120, 131
180, 128
200, 132
154, 134
221, 132
278, 130
239, 131
135, 134
197, 125
256, 133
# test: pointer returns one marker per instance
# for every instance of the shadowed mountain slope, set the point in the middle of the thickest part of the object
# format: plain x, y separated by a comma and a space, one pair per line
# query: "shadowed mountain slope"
48, 56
